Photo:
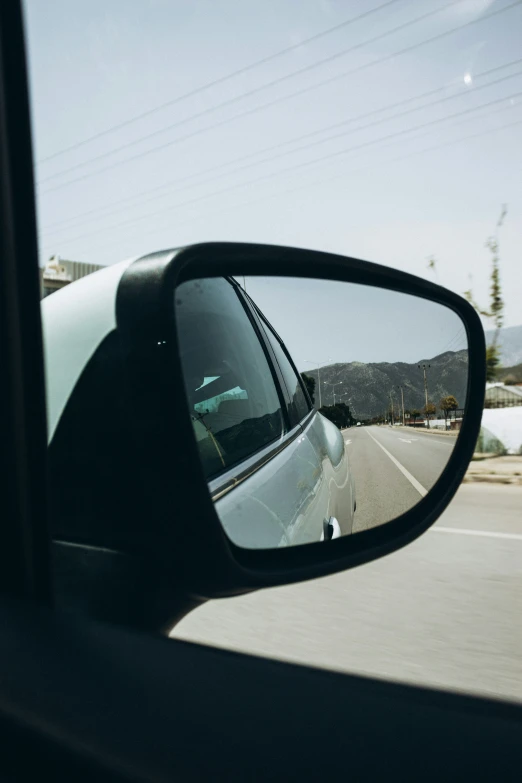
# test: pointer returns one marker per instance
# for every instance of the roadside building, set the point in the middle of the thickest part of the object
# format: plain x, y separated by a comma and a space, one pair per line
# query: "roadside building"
452, 422
59, 272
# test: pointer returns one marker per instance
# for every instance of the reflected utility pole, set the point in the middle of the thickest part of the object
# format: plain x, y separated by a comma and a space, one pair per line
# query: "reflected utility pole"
333, 385
402, 398
318, 365
423, 367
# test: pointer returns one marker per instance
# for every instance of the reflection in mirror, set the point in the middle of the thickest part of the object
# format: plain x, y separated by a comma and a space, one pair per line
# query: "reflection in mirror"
320, 409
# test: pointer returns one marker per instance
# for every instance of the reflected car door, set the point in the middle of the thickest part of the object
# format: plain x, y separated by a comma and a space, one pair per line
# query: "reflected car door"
335, 496
305, 487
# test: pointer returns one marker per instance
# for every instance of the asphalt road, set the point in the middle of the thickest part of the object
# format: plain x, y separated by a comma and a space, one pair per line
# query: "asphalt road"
444, 611
393, 468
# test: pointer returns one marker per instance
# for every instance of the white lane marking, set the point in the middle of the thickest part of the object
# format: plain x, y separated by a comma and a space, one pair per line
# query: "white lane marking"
487, 533
413, 481
347, 442
446, 442
450, 439
405, 440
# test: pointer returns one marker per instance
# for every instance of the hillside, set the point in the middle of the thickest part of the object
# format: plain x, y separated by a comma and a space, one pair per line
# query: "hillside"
510, 344
368, 386
507, 373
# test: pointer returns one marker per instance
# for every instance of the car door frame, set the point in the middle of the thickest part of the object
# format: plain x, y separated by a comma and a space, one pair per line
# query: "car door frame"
265, 322
308, 420
24, 554
231, 478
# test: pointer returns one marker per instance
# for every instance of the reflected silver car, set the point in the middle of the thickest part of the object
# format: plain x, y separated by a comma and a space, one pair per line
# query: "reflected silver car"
276, 468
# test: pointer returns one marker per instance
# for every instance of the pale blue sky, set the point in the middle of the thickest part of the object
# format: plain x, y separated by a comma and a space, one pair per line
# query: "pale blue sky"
97, 63
325, 322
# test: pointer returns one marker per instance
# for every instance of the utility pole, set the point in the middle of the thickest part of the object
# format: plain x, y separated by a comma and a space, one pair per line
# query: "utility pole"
318, 365
402, 398
333, 385
391, 408
423, 368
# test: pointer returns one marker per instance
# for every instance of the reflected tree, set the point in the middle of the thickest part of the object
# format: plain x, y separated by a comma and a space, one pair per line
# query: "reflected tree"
446, 405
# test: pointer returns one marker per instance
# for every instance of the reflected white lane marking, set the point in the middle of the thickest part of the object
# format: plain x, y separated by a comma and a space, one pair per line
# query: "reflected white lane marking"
413, 481
449, 440
486, 533
347, 442
446, 442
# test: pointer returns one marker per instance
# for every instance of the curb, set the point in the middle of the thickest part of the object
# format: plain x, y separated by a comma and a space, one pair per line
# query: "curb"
489, 478
432, 431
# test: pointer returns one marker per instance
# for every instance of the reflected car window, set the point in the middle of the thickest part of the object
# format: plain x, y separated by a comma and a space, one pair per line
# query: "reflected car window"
233, 399
298, 407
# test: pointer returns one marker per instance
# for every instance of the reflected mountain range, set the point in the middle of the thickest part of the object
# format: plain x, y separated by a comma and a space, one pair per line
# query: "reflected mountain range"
366, 387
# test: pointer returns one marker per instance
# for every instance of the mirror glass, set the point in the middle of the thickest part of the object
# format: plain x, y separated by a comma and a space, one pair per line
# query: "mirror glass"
320, 409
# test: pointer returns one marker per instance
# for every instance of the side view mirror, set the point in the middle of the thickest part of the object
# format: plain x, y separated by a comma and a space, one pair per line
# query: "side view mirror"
276, 415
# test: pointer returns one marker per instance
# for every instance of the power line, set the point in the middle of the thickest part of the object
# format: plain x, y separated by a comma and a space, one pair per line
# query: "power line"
323, 180
343, 175
455, 340
247, 94
364, 116
462, 335
273, 102
311, 144
265, 177
215, 82
329, 156
350, 120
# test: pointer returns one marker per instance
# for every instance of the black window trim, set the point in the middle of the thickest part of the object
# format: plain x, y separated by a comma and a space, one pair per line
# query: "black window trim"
235, 475
267, 324
258, 317
244, 468
274, 367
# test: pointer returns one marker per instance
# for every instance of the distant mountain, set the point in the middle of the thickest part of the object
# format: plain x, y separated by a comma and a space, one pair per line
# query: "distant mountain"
510, 342
510, 374
368, 386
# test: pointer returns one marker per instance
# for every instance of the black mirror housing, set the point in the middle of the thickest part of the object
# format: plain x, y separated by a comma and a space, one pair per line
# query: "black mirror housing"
182, 531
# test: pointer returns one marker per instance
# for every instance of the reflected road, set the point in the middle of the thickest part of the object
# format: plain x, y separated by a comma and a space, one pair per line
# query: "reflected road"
393, 468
